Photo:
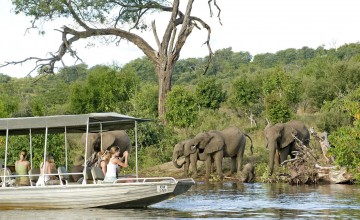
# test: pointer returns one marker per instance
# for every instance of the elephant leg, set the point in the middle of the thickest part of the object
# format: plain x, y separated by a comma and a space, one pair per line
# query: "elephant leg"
218, 159
292, 147
186, 166
277, 158
208, 167
213, 165
193, 162
240, 157
284, 152
233, 165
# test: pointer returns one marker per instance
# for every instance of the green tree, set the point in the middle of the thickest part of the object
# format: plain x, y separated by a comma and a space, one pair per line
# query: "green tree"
73, 73
246, 94
276, 108
144, 68
209, 93
144, 101
346, 139
285, 85
181, 108
104, 90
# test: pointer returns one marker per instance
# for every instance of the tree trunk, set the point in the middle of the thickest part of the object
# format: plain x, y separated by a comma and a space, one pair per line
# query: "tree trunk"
164, 77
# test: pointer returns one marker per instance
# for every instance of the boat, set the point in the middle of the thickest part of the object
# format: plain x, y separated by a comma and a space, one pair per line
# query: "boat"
125, 192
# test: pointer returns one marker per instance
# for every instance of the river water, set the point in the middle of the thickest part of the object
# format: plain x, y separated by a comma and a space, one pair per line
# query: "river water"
230, 200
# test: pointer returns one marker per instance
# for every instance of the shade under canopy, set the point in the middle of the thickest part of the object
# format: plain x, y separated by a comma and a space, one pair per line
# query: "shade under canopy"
73, 123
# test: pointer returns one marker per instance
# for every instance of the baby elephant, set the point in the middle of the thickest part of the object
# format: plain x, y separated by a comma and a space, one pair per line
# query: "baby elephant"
248, 173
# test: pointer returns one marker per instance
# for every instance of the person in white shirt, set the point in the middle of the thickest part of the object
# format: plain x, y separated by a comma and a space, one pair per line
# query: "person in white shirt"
114, 164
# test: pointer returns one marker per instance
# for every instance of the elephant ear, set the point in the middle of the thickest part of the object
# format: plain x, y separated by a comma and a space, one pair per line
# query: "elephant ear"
108, 140
204, 139
189, 148
286, 138
215, 143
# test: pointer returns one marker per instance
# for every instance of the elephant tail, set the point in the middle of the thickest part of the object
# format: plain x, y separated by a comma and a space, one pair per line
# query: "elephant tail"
251, 146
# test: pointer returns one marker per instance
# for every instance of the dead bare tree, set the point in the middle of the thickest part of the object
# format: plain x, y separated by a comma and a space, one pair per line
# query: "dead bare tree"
305, 169
324, 144
104, 18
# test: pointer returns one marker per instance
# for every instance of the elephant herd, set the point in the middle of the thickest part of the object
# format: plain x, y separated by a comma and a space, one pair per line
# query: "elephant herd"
213, 146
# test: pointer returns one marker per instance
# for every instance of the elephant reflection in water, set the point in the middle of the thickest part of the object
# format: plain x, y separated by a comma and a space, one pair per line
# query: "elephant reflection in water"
99, 142
212, 147
279, 138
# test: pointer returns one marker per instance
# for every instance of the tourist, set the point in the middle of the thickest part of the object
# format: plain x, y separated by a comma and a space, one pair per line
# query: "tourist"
22, 167
49, 166
114, 164
104, 159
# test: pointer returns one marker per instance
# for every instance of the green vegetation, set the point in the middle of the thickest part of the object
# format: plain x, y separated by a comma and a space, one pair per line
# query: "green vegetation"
318, 86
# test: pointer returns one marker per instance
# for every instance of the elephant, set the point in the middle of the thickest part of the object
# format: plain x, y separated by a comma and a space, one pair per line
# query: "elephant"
212, 147
191, 155
248, 173
279, 138
109, 138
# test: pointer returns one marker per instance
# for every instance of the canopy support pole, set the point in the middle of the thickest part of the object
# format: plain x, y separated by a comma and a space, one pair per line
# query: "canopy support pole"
31, 152
86, 149
136, 150
66, 150
6, 152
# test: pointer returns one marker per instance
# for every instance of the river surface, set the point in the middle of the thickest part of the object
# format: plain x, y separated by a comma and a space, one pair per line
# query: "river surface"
229, 200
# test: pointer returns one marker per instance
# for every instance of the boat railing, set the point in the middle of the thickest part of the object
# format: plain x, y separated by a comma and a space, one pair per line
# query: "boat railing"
145, 180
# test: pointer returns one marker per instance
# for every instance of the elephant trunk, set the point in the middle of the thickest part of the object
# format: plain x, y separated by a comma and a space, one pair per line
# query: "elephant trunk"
176, 163
272, 151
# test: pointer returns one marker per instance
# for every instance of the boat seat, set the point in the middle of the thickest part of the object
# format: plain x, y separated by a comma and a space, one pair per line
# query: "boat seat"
63, 176
6, 180
34, 179
98, 175
88, 176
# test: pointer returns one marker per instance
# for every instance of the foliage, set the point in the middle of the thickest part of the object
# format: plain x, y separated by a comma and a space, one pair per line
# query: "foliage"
181, 108
225, 60
209, 93
209, 119
73, 73
346, 142
246, 94
187, 70
7, 106
276, 108
284, 84
144, 69
144, 101
104, 90
346, 139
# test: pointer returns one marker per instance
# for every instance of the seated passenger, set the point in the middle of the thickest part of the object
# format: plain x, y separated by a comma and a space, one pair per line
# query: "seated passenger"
78, 167
104, 160
113, 165
22, 167
52, 162
49, 165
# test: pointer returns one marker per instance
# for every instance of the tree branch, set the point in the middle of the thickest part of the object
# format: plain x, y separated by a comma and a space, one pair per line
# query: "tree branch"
155, 34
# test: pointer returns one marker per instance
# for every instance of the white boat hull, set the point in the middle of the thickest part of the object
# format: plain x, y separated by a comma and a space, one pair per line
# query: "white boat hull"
115, 196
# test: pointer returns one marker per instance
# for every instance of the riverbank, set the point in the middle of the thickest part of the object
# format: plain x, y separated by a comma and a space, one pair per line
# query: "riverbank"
169, 170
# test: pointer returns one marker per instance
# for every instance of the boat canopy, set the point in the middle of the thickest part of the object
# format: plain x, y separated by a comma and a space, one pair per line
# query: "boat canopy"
70, 123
